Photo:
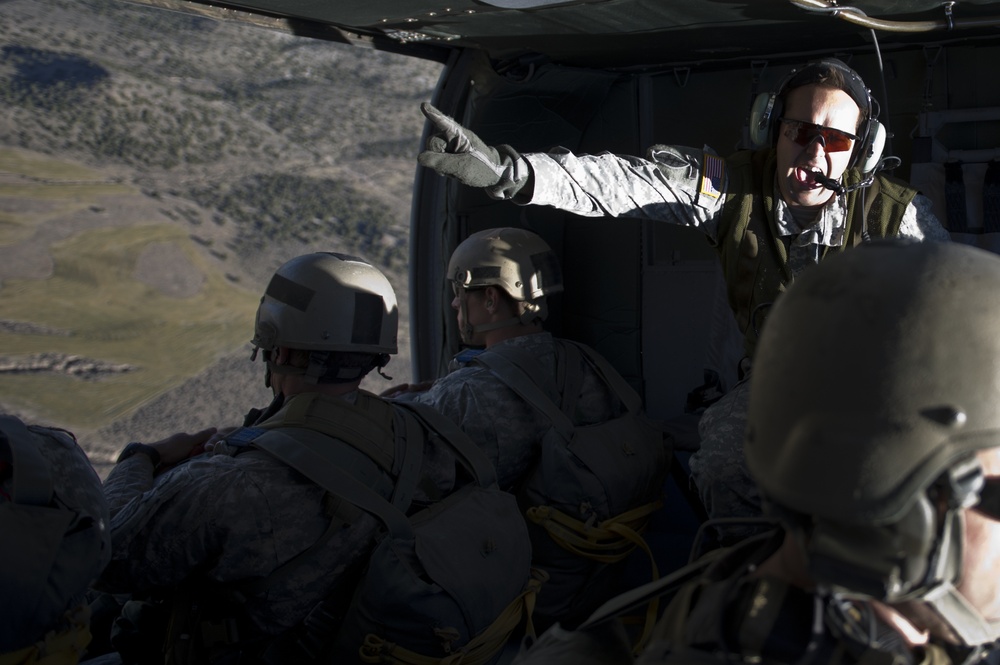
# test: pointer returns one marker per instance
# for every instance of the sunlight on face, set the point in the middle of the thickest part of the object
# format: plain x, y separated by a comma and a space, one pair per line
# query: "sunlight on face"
980, 583
819, 105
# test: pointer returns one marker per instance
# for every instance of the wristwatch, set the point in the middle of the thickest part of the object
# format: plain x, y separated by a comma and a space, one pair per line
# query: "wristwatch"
140, 448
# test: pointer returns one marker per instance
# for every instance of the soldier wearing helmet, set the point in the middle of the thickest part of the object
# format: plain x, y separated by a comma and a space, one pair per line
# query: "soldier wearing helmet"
508, 265
812, 185
502, 279
874, 439
196, 522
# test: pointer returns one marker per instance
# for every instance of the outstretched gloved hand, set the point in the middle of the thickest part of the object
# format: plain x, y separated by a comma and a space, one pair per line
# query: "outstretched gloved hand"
453, 150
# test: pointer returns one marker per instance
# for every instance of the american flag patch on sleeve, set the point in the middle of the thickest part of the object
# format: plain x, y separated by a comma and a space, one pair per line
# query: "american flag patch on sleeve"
713, 170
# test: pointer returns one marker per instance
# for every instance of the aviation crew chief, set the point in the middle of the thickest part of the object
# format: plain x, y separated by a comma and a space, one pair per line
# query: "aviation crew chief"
770, 213
325, 321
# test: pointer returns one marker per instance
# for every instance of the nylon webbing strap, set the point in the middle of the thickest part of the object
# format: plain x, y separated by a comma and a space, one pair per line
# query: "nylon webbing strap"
409, 437
65, 647
342, 454
32, 482
626, 393
480, 650
529, 364
354, 424
472, 455
327, 475
571, 377
519, 382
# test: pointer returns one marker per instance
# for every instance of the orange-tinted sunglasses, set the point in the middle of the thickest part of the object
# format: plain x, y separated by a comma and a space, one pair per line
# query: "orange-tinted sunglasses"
804, 133
989, 498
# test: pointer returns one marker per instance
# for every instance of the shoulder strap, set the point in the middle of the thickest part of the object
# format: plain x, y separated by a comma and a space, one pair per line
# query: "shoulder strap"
616, 382
519, 381
714, 560
569, 375
529, 365
32, 481
364, 425
470, 454
322, 471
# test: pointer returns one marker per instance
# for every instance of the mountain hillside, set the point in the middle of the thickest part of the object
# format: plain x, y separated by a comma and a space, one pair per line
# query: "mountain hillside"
155, 168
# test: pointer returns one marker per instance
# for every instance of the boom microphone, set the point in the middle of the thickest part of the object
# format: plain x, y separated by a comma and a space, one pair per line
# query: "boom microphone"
829, 183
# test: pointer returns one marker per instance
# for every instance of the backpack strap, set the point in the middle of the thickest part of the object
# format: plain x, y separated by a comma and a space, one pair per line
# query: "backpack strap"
529, 364
569, 375
518, 380
616, 382
470, 454
364, 425
32, 481
711, 564
323, 471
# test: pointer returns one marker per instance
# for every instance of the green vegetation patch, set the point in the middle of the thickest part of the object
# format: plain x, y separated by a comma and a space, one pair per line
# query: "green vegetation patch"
276, 208
48, 188
118, 319
38, 166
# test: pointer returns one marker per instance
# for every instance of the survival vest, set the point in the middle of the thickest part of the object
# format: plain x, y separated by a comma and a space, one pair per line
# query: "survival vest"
755, 259
448, 581
590, 495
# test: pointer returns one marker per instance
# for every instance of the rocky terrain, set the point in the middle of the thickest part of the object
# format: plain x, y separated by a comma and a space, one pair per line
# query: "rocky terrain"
122, 122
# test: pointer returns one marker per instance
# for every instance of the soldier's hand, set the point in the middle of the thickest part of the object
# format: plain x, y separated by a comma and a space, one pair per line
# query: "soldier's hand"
405, 388
180, 446
453, 150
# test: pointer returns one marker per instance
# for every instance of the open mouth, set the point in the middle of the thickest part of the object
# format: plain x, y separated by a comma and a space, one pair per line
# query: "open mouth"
808, 177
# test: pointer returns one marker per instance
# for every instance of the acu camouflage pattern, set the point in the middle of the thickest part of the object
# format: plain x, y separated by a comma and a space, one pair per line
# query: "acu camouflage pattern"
507, 428
227, 517
665, 187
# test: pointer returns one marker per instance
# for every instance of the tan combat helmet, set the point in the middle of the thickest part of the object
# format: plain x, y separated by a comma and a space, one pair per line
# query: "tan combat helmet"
328, 302
515, 260
876, 381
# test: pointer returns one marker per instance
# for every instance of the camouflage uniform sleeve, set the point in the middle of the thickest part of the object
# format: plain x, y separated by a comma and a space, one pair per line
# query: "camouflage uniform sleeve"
184, 522
718, 468
492, 415
666, 187
127, 480
920, 222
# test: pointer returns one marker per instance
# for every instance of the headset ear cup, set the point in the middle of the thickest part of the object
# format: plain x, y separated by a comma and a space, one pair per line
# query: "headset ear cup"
873, 147
761, 113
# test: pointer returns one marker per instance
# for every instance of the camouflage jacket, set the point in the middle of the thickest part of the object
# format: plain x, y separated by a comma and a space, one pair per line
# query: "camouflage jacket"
504, 425
238, 516
672, 185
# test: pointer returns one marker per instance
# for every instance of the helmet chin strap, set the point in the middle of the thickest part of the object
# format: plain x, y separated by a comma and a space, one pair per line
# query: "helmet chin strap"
969, 625
530, 311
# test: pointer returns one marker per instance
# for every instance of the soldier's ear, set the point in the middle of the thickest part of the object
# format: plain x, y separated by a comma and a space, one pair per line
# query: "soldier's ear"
492, 294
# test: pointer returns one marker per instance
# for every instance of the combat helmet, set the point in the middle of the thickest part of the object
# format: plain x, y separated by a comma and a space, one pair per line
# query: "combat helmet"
517, 261
326, 303
876, 381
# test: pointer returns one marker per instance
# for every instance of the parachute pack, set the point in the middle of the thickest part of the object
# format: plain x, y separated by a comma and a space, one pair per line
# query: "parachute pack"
452, 580
53, 509
590, 496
